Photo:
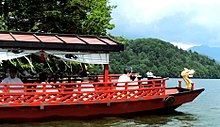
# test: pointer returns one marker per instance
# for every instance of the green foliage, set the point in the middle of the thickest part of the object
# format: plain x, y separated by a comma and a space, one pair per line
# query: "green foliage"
162, 58
93, 17
120, 39
95, 69
143, 55
57, 16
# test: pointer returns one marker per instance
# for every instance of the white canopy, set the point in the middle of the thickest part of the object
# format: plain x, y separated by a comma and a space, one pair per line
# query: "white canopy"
82, 57
6, 54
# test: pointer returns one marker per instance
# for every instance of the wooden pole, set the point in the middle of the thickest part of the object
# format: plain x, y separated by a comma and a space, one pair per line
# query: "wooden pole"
106, 73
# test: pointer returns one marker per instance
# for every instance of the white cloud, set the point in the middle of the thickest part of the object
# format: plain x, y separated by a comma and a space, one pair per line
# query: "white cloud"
183, 45
200, 12
194, 21
142, 11
206, 13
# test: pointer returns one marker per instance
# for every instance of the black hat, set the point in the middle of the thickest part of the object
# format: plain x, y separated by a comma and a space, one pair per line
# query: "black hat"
13, 69
127, 70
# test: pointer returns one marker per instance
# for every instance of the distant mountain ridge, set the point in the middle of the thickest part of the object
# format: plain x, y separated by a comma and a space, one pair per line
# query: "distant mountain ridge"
162, 58
211, 52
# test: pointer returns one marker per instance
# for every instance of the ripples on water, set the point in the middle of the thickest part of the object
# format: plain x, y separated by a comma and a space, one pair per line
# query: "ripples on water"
138, 120
204, 111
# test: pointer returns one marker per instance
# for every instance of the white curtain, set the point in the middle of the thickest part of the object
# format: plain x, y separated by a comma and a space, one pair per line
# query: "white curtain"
90, 58
8, 54
82, 57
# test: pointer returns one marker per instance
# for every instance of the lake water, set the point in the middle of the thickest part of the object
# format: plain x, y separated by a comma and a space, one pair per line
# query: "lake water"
204, 111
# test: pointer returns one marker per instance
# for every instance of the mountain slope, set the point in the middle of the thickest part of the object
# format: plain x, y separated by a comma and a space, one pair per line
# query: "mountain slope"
163, 59
212, 52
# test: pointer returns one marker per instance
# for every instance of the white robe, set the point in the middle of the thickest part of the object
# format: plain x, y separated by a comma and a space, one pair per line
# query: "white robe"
15, 80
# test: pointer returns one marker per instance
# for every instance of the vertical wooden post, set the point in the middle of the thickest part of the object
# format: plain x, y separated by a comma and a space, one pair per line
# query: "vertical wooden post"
105, 73
180, 83
25, 88
62, 88
5, 88
126, 86
42, 55
79, 87
192, 88
83, 66
44, 88
164, 86
140, 84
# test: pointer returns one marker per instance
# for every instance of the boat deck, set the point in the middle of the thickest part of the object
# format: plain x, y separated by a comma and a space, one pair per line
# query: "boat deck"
171, 91
36, 94
82, 99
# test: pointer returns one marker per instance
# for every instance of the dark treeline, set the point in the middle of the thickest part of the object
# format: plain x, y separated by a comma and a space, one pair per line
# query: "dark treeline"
143, 55
92, 17
162, 58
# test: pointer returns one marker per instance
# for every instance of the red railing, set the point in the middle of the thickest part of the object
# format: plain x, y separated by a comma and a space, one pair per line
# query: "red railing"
80, 93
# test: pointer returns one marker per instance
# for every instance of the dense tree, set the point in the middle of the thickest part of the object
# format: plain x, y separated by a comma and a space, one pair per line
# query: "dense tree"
93, 17
57, 16
163, 59
143, 55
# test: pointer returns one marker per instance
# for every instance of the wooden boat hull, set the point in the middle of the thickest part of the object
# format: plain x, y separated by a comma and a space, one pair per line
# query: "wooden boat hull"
97, 109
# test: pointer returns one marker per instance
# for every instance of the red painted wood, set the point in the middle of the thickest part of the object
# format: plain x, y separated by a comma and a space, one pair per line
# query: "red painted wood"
87, 98
84, 110
106, 70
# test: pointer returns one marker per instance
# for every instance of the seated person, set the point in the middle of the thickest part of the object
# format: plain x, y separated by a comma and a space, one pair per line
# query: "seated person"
125, 77
12, 78
84, 75
128, 77
43, 77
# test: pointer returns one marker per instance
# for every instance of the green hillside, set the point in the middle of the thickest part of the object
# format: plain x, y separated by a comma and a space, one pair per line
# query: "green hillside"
162, 58
143, 55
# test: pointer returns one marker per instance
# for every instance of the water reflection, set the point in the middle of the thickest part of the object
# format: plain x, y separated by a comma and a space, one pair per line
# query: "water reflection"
164, 120
139, 120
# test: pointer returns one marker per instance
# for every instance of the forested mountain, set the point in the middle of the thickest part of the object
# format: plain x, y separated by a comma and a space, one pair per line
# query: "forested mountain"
162, 58
92, 17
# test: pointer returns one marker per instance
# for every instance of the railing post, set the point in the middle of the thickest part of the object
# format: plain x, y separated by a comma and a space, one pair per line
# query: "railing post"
140, 84
79, 87
96, 86
163, 86
5, 88
180, 83
164, 83
111, 87
44, 88
62, 88
192, 88
126, 85
110, 78
154, 84
25, 88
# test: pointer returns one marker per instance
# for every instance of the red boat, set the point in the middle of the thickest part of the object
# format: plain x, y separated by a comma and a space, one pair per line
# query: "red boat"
79, 99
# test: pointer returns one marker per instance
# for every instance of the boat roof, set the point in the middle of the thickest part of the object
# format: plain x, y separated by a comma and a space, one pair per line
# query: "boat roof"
60, 42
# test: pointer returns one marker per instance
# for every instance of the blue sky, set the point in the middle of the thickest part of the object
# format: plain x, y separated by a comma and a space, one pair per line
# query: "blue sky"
184, 23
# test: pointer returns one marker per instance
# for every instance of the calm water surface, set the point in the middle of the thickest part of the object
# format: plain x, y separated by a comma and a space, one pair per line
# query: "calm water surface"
204, 111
